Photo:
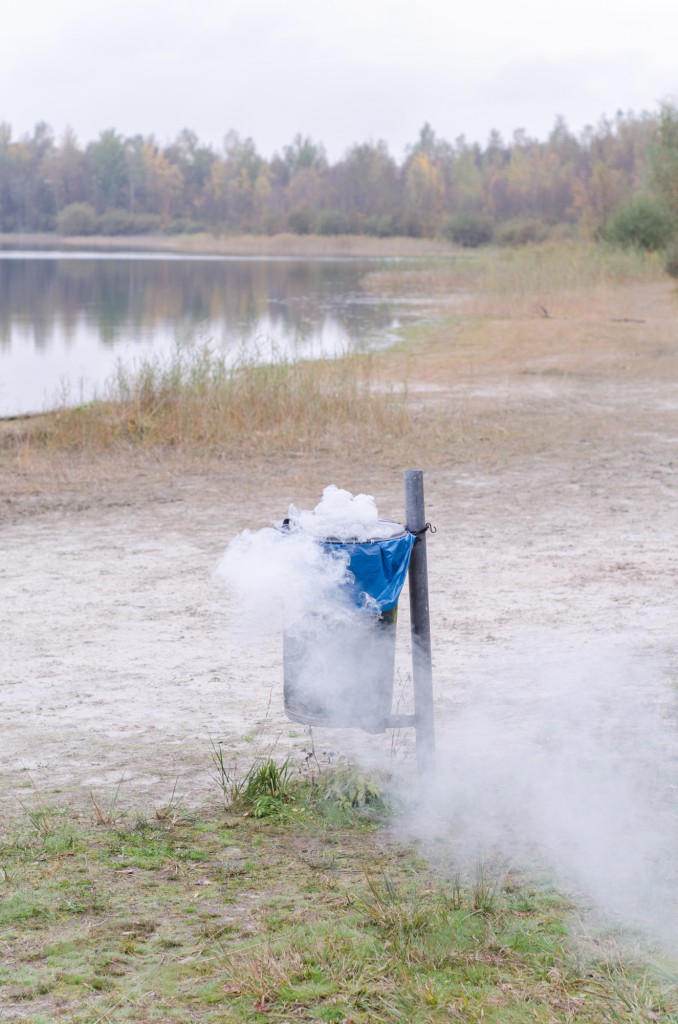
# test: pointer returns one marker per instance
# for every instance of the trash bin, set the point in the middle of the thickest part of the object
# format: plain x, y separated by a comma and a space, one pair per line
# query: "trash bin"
339, 670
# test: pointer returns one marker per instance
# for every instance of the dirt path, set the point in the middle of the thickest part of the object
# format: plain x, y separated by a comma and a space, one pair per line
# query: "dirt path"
119, 660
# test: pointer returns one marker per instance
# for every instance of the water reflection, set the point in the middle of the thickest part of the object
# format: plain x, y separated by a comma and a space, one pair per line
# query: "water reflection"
66, 318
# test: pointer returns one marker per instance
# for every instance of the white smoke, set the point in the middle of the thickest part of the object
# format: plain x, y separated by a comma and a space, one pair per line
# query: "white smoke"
278, 578
343, 516
338, 655
566, 758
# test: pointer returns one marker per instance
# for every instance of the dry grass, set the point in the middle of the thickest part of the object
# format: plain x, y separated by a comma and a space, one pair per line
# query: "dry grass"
537, 352
235, 245
509, 282
194, 400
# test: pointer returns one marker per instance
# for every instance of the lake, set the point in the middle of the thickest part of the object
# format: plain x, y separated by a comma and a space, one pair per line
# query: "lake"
66, 319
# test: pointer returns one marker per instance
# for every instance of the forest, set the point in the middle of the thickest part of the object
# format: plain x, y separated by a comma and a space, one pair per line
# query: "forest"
624, 169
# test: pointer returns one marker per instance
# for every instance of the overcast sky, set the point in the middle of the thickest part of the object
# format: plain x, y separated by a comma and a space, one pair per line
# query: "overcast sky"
343, 71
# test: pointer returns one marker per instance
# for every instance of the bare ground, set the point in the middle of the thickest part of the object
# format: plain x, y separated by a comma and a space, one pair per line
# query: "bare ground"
552, 482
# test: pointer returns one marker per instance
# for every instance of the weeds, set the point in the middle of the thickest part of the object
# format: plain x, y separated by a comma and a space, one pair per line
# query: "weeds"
226, 778
400, 913
266, 787
484, 890
263, 790
109, 815
170, 810
349, 788
635, 1001
40, 816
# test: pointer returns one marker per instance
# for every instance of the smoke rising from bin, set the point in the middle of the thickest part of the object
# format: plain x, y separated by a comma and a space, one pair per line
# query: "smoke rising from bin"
338, 624
279, 577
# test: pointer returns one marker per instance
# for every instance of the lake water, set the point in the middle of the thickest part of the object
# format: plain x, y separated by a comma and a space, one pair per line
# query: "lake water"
67, 318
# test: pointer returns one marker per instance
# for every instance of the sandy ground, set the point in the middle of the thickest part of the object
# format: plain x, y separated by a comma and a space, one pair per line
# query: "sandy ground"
119, 662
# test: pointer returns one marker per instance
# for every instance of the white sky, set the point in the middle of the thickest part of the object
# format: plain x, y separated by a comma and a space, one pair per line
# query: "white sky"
342, 71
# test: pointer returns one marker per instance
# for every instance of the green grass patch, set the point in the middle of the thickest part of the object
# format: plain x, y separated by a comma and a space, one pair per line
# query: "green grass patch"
314, 915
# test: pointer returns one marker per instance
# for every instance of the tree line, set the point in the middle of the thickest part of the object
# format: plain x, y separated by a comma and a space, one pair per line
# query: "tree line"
515, 190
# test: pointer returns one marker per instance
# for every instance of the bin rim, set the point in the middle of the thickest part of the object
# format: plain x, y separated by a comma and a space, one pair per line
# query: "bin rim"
368, 540
285, 527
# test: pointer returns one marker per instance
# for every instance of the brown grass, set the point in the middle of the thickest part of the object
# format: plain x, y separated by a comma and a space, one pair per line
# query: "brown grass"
507, 281
193, 400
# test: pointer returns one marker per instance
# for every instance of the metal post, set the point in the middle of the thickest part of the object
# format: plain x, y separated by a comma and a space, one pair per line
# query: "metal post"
422, 676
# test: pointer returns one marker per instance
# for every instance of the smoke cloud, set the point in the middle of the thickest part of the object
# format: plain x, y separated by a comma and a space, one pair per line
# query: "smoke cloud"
565, 758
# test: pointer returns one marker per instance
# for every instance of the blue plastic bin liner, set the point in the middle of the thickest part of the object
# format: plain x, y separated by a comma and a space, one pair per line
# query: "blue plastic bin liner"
378, 568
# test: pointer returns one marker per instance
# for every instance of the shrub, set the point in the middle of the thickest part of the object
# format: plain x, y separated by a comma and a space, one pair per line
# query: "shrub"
333, 222
381, 227
671, 264
642, 222
121, 222
147, 223
77, 219
116, 222
520, 231
300, 221
469, 230
410, 226
184, 226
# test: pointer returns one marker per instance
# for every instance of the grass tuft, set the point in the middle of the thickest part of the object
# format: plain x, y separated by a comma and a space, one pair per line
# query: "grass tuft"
264, 790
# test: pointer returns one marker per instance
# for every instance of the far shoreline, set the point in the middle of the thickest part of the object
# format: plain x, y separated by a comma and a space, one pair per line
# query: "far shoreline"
205, 244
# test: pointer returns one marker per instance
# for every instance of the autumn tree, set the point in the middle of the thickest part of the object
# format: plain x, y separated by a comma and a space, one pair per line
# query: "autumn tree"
425, 196
307, 189
664, 155
10, 173
366, 188
304, 154
156, 185
232, 188
194, 162
109, 172
68, 171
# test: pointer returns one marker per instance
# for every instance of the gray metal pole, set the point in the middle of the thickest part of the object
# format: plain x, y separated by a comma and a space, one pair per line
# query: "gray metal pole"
422, 676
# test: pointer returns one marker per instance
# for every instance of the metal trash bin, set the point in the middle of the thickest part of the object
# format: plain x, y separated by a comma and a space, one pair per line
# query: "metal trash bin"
339, 673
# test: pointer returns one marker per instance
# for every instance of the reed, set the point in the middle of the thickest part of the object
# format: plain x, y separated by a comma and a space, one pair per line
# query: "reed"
504, 282
518, 282
194, 399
